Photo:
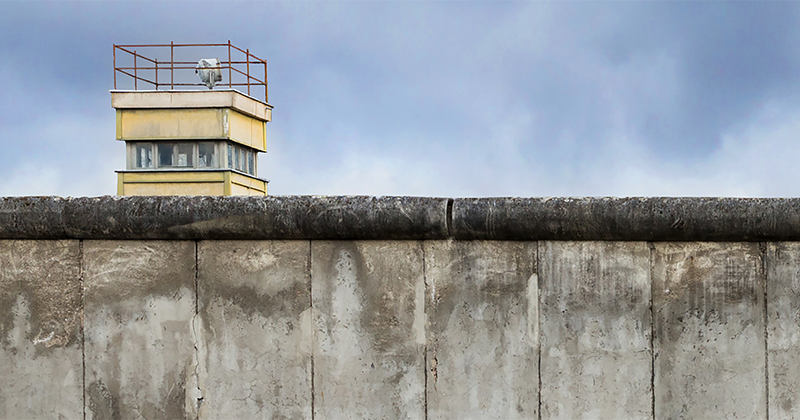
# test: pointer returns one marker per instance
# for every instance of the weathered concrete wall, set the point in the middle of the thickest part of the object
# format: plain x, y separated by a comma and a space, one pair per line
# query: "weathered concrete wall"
783, 329
595, 330
41, 361
369, 329
255, 339
710, 342
139, 351
482, 340
322, 311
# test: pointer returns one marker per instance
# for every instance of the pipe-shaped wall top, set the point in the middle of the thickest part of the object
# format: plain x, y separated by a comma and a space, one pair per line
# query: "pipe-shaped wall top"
363, 217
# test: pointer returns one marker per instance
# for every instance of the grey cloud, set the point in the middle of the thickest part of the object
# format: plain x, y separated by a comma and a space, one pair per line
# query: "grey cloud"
452, 98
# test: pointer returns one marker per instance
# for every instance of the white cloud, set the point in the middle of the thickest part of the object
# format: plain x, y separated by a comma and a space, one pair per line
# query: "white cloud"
63, 154
30, 179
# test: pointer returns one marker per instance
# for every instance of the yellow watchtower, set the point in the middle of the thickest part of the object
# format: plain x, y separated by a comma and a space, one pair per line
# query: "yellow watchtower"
194, 140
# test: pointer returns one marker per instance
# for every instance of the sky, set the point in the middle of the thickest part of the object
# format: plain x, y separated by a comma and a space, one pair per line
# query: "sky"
453, 99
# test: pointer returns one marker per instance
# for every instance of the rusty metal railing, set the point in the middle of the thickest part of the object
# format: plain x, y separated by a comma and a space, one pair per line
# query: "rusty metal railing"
148, 72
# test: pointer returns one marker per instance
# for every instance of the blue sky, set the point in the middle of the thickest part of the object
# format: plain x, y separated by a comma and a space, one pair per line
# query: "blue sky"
437, 98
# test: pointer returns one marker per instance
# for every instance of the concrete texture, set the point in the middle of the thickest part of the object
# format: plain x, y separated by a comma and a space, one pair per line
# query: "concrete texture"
369, 329
255, 304
708, 303
313, 217
595, 330
140, 356
290, 217
627, 219
482, 351
32, 217
218, 98
40, 330
783, 329
382, 324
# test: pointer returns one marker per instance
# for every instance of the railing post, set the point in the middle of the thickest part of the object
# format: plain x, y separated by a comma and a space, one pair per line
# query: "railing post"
266, 90
251, 82
230, 72
115, 66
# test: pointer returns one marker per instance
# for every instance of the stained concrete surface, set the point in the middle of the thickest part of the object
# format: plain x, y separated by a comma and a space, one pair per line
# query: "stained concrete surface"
235, 218
708, 303
626, 218
255, 349
40, 330
255, 299
396, 218
482, 351
369, 329
140, 346
595, 330
783, 329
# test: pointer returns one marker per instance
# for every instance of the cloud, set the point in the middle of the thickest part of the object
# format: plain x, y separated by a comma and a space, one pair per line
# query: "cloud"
436, 98
62, 154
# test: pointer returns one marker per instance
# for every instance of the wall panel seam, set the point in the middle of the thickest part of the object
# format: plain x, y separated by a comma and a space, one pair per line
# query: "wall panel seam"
83, 323
540, 280
764, 248
312, 329
650, 248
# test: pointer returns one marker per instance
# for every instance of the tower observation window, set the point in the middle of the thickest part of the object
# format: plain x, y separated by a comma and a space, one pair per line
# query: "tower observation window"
143, 156
206, 158
199, 155
241, 159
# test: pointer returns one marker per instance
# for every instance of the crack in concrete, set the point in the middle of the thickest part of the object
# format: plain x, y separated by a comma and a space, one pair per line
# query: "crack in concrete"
764, 249
425, 325
650, 249
539, 264
83, 323
195, 331
311, 331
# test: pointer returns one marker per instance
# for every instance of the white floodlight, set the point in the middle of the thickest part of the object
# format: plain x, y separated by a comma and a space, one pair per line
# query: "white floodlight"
209, 76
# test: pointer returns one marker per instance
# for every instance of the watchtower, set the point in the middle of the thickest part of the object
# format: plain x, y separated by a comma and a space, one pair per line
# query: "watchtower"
186, 135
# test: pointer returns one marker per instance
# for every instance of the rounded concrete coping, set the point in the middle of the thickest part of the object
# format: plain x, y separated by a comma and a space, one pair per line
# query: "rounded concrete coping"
627, 219
361, 217
272, 217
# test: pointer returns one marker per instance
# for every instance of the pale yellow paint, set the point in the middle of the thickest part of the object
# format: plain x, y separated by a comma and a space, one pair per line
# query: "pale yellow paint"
222, 98
256, 186
239, 190
174, 176
191, 115
189, 183
171, 124
191, 124
248, 131
187, 188
226, 187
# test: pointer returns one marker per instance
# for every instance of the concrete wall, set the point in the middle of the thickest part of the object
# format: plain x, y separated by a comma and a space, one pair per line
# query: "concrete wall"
117, 327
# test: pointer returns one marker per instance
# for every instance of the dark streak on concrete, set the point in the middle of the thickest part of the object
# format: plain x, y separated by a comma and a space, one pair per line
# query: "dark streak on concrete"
47, 276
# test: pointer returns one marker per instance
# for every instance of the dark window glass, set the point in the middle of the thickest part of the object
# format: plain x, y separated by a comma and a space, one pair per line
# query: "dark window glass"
238, 157
144, 155
206, 158
185, 154
165, 154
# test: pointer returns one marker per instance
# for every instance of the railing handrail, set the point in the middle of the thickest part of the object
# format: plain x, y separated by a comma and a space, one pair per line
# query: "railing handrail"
154, 66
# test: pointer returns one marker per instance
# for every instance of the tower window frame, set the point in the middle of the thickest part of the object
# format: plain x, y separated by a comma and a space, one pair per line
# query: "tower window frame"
193, 155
